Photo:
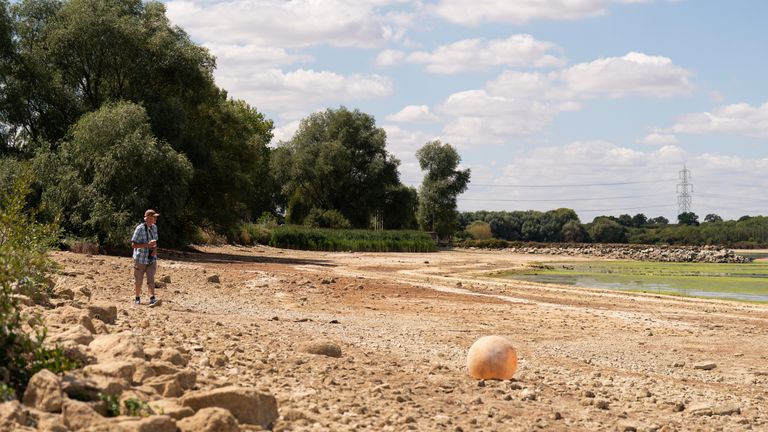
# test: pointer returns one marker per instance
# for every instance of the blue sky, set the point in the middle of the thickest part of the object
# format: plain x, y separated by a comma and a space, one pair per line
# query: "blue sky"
594, 105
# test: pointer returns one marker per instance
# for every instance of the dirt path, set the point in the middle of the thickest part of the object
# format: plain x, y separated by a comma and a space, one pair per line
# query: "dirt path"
590, 359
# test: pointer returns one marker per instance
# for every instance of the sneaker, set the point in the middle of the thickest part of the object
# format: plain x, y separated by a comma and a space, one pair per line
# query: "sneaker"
152, 301
137, 300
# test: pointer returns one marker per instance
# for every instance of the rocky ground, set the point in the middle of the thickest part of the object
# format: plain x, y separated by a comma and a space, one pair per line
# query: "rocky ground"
363, 341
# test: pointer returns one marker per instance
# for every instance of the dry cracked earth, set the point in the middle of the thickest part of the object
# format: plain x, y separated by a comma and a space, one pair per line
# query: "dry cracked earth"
590, 360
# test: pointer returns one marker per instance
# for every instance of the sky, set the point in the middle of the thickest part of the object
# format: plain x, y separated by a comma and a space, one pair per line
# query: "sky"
594, 105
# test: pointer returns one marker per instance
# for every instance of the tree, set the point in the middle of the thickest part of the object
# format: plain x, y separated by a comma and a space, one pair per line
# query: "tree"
573, 232
73, 56
688, 218
625, 220
337, 160
442, 183
103, 178
659, 220
400, 205
710, 218
639, 220
479, 230
604, 230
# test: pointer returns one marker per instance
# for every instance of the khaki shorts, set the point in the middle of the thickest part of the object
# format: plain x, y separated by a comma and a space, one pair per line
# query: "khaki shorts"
140, 269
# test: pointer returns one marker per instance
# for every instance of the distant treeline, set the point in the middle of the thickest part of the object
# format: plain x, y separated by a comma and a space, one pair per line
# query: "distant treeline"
563, 225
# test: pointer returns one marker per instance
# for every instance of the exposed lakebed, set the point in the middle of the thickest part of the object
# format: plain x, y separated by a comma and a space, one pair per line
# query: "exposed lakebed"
746, 282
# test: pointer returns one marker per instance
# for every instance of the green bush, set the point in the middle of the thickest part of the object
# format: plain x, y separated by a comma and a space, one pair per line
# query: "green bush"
23, 267
319, 218
298, 237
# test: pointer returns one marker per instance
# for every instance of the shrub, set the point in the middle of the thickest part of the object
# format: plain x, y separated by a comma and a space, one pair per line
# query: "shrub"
479, 230
23, 268
298, 237
319, 218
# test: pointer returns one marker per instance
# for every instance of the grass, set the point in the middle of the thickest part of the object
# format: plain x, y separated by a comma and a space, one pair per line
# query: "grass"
732, 281
319, 239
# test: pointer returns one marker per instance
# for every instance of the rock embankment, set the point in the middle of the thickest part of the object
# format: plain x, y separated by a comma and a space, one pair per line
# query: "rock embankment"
708, 254
126, 384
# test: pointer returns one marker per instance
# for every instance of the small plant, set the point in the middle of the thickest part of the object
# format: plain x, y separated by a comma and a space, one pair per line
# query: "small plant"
135, 407
6, 393
113, 404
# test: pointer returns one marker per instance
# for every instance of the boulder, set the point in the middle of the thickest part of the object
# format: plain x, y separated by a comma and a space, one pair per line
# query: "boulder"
78, 415
76, 333
121, 345
70, 315
122, 369
492, 357
170, 355
105, 312
77, 386
171, 408
13, 413
248, 405
209, 420
321, 347
44, 392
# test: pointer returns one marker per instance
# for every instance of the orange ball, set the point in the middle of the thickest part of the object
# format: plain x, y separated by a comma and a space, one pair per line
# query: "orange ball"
492, 357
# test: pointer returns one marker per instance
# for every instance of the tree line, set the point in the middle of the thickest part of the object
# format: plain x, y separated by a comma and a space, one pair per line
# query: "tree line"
563, 225
115, 110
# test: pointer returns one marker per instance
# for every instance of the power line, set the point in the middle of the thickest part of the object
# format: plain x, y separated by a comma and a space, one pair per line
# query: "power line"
560, 185
684, 199
560, 199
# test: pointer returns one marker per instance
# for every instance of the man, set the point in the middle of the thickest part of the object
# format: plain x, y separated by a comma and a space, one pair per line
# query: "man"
144, 244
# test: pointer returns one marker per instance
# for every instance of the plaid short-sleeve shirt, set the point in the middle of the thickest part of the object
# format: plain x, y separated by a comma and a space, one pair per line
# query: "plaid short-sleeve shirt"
143, 234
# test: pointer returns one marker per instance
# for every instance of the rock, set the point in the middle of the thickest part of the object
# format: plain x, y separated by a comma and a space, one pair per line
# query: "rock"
122, 369
214, 278
705, 365
12, 412
171, 355
492, 358
700, 409
166, 385
76, 386
217, 360
77, 334
48, 422
78, 415
726, 409
161, 367
121, 345
321, 347
209, 420
247, 404
171, 408
602, 404
528, 394
155, 423
79, 352
628, 426
70, 315
44, 392
165, 279
107, 313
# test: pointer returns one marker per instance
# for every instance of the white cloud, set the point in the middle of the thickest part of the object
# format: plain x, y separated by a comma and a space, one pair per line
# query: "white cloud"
739, 119
246, 58
469, 12
524, 103
389, 57
656, 138
285, 132
279, 23
635, 73
301, 89
404, 143
475, 54
414, 114
480, 117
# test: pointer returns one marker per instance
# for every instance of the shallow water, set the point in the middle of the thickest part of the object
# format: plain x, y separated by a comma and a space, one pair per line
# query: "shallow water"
747, 282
